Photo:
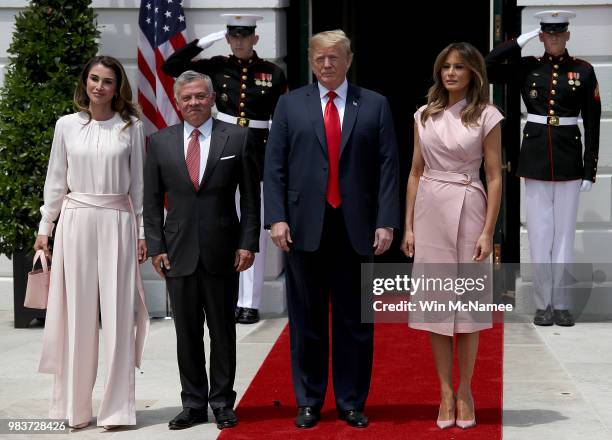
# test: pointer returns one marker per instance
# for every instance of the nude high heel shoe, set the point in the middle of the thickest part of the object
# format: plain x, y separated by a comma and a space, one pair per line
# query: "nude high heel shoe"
470, 423
79, 425
465, 424
111, 427
445, 424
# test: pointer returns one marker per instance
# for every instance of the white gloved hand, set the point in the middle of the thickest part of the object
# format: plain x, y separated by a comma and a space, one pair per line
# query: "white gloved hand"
210, 39
524, 38
586, 186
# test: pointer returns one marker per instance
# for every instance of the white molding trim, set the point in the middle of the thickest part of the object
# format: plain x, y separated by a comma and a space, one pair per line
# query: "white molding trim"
187, 4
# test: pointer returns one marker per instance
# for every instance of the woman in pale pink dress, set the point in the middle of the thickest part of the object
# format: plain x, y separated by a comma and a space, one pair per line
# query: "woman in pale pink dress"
94, 186
450, 218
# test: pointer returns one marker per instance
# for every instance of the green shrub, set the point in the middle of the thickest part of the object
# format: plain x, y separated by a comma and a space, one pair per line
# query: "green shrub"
52, 41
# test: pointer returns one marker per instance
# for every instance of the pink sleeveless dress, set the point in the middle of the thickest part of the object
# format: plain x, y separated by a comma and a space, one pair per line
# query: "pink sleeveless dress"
449, 213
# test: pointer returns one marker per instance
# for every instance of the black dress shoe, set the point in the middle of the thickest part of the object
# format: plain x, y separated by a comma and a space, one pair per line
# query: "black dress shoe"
248, 316
188, 417
307, 417
563, 318
237, 312
225, 417
543, 317
356, 419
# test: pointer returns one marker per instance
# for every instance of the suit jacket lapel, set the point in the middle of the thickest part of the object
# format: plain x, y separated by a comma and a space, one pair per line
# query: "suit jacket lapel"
178, 143
313, 103
218, 139
350, 114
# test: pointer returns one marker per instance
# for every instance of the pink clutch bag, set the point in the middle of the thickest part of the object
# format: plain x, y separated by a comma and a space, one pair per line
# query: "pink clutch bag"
37, 290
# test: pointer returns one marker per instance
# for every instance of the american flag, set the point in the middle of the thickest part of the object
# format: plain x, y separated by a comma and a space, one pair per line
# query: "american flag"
162, 31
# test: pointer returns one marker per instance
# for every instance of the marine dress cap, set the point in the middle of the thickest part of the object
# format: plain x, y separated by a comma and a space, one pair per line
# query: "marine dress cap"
241, 24
553, 22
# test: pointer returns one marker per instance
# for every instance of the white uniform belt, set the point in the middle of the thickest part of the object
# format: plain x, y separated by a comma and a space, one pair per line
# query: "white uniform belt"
552, 120
245, 122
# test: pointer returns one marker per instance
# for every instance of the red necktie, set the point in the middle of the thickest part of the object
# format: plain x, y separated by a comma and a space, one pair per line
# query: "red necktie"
333, 135
193, 158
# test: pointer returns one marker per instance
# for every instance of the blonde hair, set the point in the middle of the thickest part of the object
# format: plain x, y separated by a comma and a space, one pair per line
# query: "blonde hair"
478, 89
328, 39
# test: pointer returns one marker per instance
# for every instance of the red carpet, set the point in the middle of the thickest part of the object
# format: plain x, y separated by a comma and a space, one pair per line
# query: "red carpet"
403, 398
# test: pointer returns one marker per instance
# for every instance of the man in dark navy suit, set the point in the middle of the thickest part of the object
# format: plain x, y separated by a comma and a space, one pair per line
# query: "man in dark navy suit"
331, 201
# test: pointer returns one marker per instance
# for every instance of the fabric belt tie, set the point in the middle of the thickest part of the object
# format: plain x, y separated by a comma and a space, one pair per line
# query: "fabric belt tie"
120, 202
465, 178
552, 120
245, 122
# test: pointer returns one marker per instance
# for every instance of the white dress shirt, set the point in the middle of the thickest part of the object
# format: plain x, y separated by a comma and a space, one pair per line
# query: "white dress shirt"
204, 138
339, 101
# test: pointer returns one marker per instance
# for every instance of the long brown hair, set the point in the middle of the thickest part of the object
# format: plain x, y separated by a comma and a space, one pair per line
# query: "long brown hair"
121, 102
478, 89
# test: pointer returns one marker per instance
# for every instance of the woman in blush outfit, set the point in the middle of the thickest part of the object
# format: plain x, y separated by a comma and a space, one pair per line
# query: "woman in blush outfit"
449, 216
94, 185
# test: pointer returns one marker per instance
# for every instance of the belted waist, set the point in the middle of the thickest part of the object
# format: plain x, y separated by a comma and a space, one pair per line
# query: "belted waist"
465, 178
120, 202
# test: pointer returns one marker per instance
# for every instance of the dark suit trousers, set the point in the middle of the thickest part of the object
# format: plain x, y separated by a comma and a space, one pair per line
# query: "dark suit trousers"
195, 298
314, 280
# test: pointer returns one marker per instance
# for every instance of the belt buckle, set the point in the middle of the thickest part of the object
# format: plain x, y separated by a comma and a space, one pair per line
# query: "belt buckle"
553, 120
243, 122
467, 180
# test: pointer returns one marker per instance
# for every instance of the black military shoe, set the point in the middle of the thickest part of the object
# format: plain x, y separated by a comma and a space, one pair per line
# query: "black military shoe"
188, 417
543, 317
248, 316
356, 419
225, 417
307, 417
563, 318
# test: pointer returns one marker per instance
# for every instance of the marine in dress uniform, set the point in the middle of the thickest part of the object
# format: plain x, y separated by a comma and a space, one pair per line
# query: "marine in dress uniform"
248, 88
556, 88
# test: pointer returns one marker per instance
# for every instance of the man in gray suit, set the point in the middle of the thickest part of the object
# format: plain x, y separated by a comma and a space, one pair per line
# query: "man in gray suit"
202, 245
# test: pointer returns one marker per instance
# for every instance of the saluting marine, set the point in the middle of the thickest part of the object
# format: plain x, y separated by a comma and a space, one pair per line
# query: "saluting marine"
248, 89
556, 88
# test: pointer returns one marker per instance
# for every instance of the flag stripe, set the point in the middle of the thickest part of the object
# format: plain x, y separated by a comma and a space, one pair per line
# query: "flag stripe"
145, 72
162, 30
178, 41
165, 103
148, 109
146, 89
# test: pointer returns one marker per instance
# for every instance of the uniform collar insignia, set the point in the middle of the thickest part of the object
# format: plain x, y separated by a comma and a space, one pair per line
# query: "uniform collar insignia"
556, 59
254, 58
